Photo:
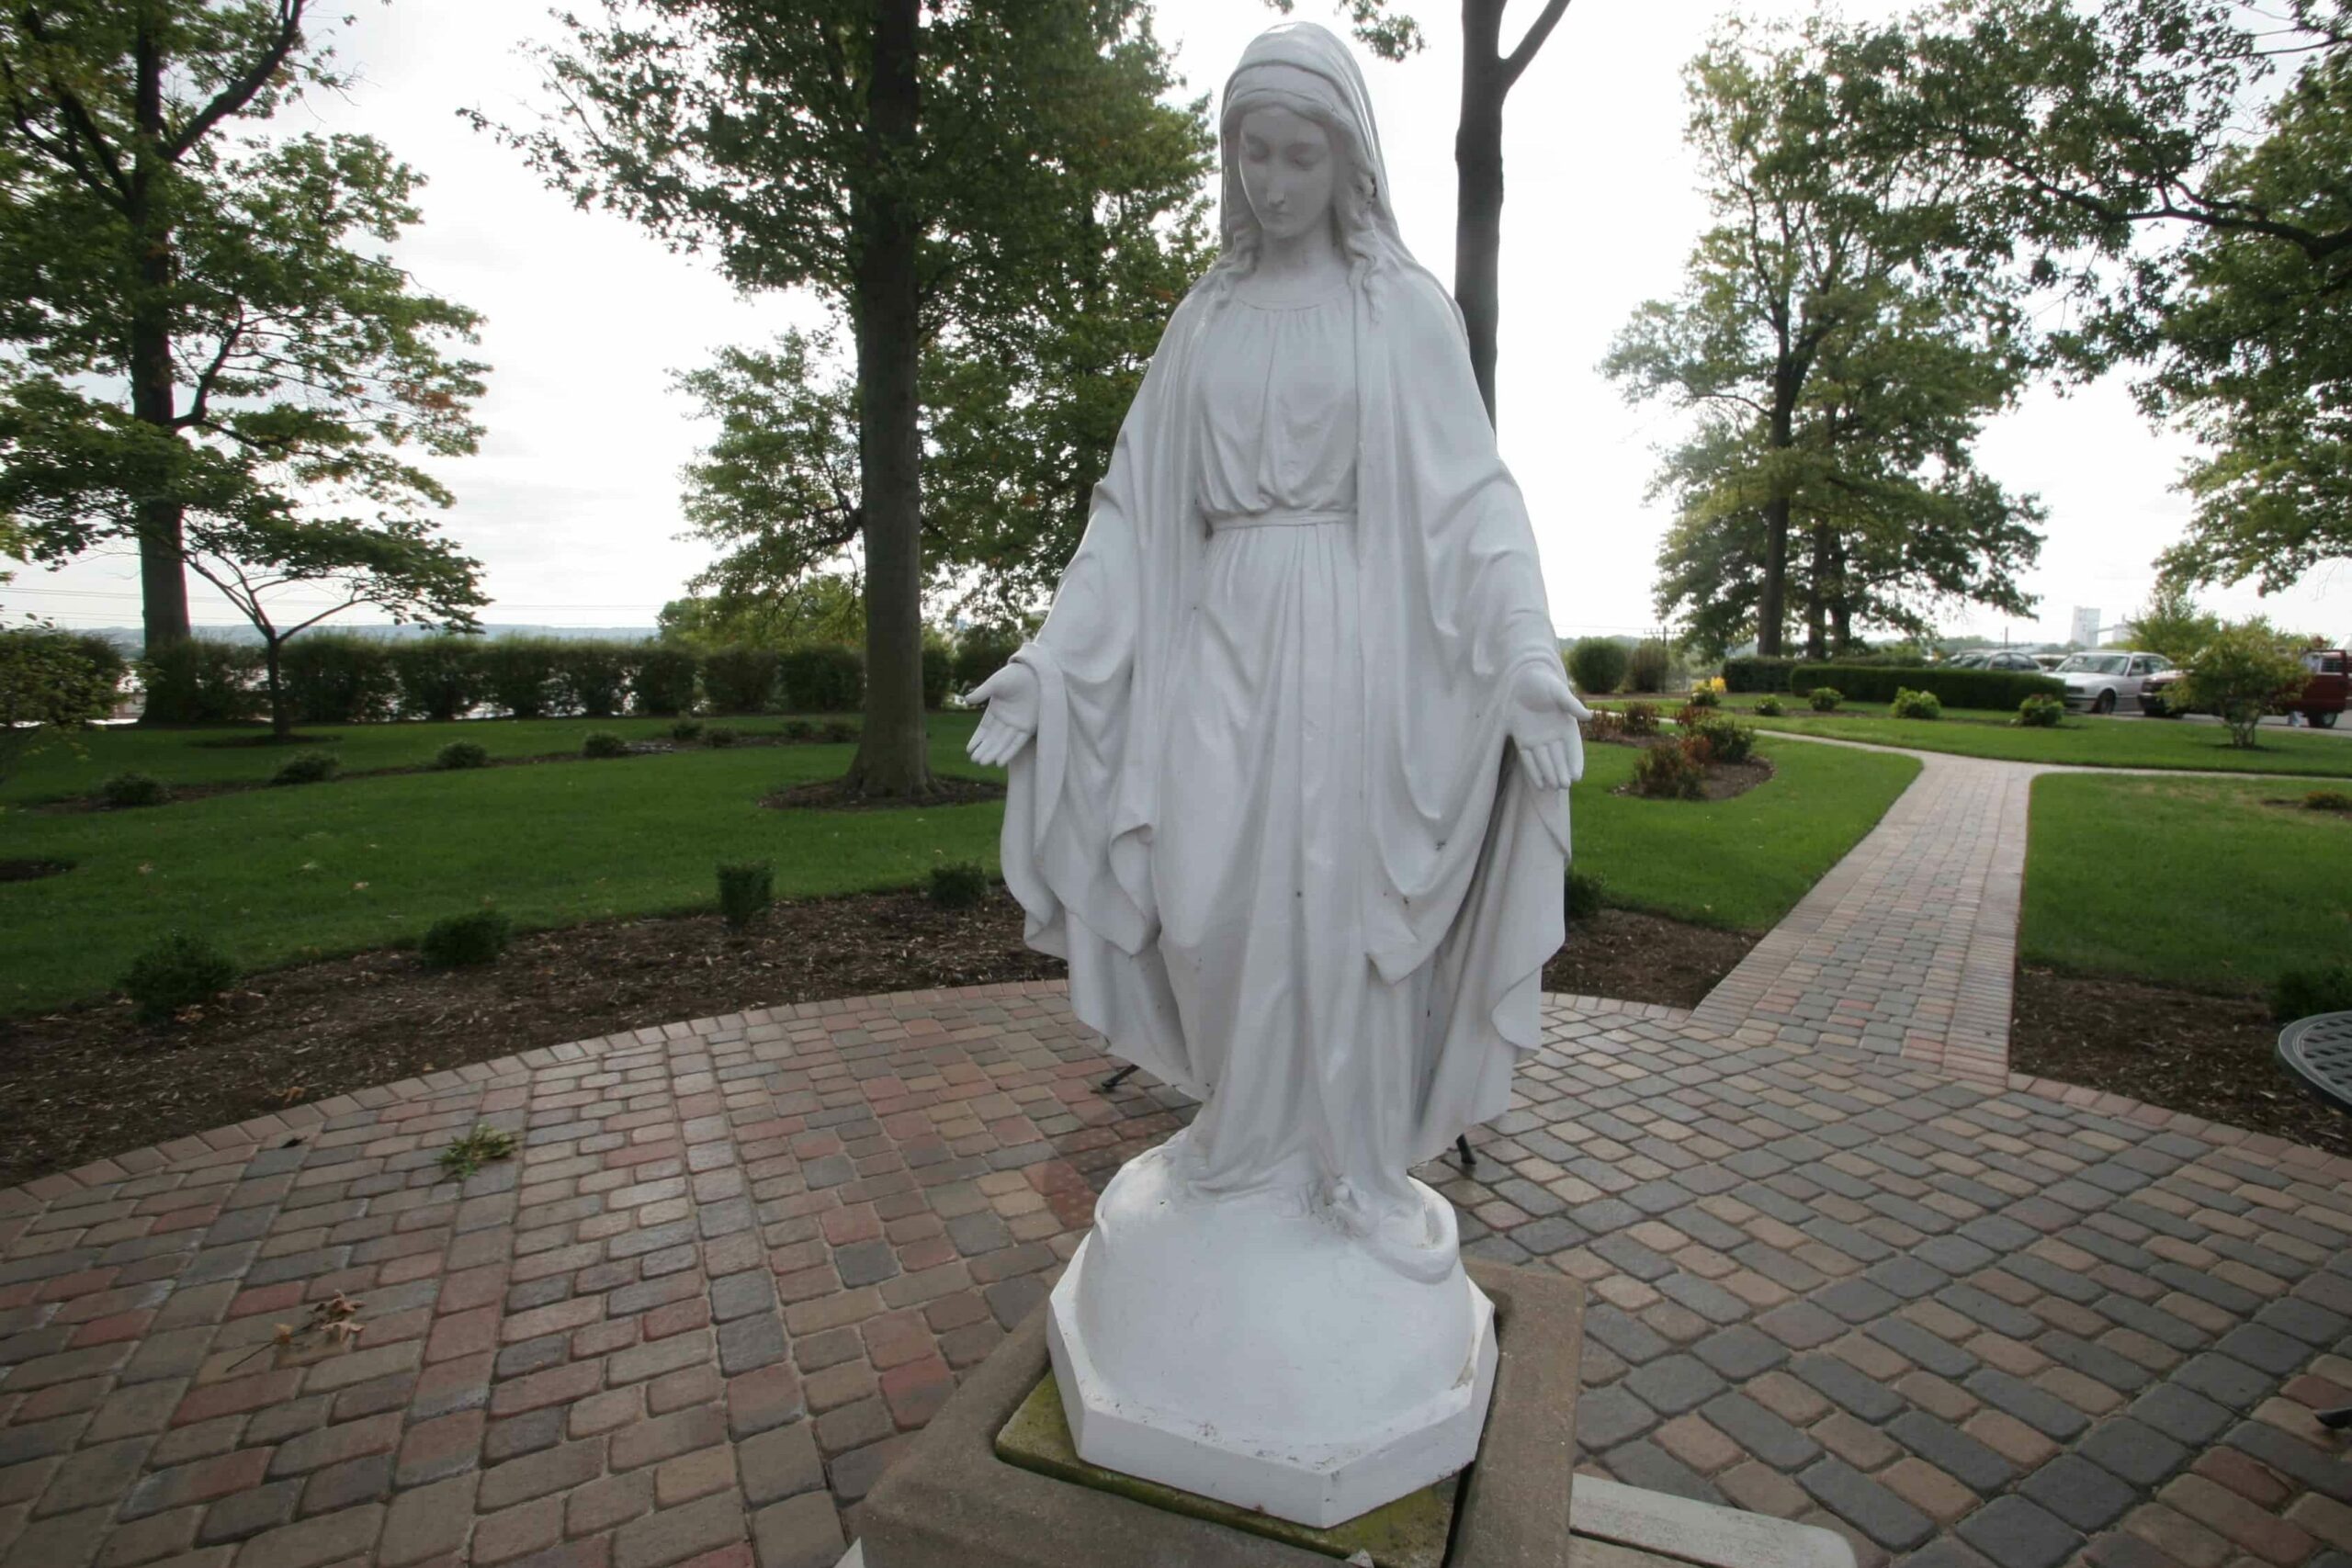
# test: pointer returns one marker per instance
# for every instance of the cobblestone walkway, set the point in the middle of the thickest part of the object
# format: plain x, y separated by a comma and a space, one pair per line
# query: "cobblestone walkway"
1963, 1319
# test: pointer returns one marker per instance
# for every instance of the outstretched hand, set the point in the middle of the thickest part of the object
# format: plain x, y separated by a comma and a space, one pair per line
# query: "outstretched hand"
1544, 713
1012, 718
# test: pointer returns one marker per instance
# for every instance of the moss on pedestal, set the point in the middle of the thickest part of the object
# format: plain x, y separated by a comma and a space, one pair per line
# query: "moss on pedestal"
1411, 1532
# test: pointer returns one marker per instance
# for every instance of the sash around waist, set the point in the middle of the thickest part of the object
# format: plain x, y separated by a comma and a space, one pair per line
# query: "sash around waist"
1280, 519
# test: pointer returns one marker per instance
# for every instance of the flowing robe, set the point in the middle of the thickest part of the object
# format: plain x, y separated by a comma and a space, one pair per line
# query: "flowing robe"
1387, 1006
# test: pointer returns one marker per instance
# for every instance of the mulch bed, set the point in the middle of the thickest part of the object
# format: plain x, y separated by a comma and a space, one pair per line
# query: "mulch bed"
830, 795
90, 1081
33, 870
1724, 780
2211, 1057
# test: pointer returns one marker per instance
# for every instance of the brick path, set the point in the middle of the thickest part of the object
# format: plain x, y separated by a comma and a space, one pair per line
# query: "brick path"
1963, 1320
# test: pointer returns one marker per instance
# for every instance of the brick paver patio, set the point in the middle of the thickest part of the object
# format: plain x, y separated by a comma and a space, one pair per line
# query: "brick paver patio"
1843, 1268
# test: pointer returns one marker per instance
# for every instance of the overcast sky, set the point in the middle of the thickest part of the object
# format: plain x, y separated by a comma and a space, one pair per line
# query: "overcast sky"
571, 503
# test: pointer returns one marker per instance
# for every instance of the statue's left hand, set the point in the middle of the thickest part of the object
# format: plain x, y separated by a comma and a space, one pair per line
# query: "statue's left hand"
1543, 717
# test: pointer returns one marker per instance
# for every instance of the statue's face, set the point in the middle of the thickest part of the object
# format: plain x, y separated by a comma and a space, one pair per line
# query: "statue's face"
1289, 169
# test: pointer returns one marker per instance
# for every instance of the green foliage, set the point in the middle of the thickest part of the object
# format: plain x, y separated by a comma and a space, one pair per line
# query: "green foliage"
821, 678
1752, 673
739, 680
1728, 740
1668, 771
1909, 704
1640, 719
1598, 665
52, 683
2300, 993
461, 755
797, 729
837, 732
1645, 669
1824, 699
595, 676
126, 791
181, 971
1769, 706
201, 681
437, 677
308, 767
721, 735
746, 889
477, 1148
981, 651
1704, 696
2334, 800
938, 674
664, 681
604, 743
1588, 895
463, 941
2243, 670
686, 731
1997, 689
338, 679
2040, 713
2171, 623
958, 884
518, 674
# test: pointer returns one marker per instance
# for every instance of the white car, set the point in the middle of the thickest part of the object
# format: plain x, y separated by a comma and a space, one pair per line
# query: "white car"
2103, 682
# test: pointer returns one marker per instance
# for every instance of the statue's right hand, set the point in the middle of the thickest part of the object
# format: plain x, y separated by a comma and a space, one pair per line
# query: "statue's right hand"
1011, 695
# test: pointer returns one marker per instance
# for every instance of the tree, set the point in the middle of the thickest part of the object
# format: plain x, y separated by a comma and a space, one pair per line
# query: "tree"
2245, 670
2196, 231
948, 178
2171, 623
397, 566
1839, 370
187, 325
819, 607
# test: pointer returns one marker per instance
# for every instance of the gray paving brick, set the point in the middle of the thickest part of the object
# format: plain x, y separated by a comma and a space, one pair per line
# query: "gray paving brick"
1839, 1380
2080, 1493
1864, 1503
1949, 1448
1760, 1432
1672, 1384
2016, 1533
2137, 1453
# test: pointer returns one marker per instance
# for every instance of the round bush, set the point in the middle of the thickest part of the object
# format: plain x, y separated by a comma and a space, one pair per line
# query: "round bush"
1908, 704
686, 731
838, 732
2041, 713
604, 743
1668, 771
721, 735
1641, 718
2327, 800
1645, 669
181, 971
462, 754
746, 889
1598, 665
2300, 993
1824, 699
958, 884
460, 941
125, 791
1586, 894
1770, 707
311, 767
1705, 696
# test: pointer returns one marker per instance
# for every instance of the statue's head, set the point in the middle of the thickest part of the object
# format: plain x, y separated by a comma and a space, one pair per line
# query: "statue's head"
1300, 147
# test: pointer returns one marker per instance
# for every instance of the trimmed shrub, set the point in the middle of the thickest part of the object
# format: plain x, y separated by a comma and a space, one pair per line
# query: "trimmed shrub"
1669, 772
2327, 800
518, 674
310, 767
125, 791
664, 681
1598, 665
1726, 738
460, 754
1824, 699
739, 680
1641, 718
1646, 667
436, 677
837, 732
958, 884
2000, 689
593, 677
981, 651
721, 735
2040, 713
1586, 894
2245, 670
181, 971
1758, 673
1770, 707
1606, 723
746, 889
1705, 696
798, 730
825, 678
1908, 704
2300, 993
202, 680
686, 731
604, 743
463, 941
938, 674
336, 678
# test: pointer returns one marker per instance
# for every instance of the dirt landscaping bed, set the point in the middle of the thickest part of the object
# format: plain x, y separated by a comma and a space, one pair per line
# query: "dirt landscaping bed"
89, 1081
2211, 1057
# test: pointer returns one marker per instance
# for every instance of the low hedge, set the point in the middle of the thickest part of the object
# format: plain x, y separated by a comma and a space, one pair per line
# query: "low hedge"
2002, 689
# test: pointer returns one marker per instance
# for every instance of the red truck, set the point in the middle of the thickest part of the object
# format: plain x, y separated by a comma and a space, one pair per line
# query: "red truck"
2327, 688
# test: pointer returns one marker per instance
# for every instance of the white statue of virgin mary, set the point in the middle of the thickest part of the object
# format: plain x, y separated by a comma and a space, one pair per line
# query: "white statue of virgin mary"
1288, 771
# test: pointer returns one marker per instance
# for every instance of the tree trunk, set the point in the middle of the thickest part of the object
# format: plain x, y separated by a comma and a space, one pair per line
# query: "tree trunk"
1816, 599
1772, 607
281, 723
1842, 602
892, 761
163, 580
1478, 202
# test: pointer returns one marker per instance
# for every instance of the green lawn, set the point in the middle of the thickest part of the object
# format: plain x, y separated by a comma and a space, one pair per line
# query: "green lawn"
1742, 863
2087, 742
277, 874
230, 753
2200, 882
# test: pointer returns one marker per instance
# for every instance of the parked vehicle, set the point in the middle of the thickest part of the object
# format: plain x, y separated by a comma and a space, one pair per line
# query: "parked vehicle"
2048, 663
2327, 689
1993, 658
2105, 681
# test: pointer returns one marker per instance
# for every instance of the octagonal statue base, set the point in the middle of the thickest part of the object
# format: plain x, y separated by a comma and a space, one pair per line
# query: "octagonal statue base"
1254, 1350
